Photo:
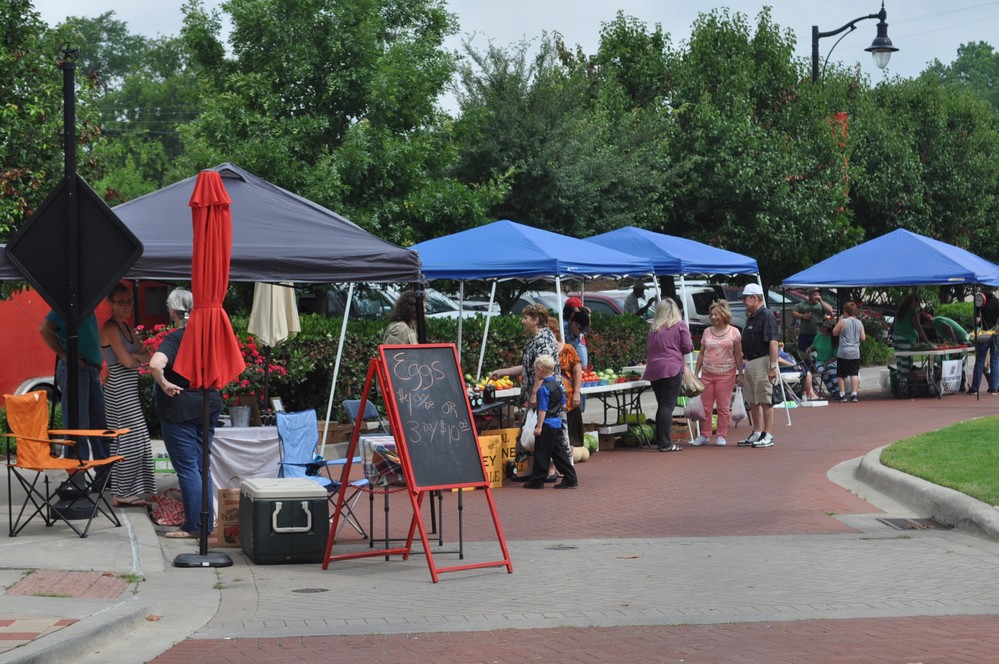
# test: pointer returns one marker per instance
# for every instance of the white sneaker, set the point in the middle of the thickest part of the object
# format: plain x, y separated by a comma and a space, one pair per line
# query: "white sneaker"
753, 437
766, 440
720, 441
700, 440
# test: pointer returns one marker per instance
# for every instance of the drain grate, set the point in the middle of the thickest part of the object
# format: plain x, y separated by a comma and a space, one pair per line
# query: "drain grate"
915, 524
311, 590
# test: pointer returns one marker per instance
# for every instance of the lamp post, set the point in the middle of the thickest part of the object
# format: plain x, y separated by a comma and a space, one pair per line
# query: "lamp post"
881, 48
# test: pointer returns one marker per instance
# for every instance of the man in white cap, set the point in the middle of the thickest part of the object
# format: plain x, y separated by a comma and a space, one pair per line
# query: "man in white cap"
759, 348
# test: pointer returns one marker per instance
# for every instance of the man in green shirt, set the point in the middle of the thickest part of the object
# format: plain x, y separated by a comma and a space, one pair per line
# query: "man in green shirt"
810, 315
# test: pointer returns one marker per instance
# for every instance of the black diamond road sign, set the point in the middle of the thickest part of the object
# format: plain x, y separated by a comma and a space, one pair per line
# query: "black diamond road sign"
107, 249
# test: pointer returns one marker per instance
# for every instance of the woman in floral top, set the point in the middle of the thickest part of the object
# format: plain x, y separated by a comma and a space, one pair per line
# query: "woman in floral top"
720, 366
542, 342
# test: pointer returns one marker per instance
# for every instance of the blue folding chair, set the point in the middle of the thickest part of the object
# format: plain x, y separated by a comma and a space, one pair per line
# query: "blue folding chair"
352, 406
299, 436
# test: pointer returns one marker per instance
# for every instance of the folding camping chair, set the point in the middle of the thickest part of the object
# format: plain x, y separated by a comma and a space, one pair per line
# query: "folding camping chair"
33, 464
351, 408
299, 437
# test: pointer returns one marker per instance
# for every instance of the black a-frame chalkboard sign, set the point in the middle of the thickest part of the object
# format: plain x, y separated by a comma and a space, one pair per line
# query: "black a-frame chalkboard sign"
431, 421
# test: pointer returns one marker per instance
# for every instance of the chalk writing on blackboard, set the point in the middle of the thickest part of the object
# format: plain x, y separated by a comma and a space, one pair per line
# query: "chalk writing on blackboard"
435, 420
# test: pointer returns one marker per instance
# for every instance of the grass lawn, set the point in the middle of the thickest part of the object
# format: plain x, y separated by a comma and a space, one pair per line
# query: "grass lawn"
963, 457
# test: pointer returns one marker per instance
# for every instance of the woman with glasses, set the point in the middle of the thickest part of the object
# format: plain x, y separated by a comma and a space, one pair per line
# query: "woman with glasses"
133, 478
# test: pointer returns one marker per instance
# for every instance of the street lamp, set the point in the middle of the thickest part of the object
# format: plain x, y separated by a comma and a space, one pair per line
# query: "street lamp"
880, 48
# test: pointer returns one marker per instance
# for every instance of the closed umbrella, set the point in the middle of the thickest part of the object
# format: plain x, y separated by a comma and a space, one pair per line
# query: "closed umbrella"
209, 354
273, 319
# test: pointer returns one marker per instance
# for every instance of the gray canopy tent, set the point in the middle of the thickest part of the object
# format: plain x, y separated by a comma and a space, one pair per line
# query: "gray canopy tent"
277, 236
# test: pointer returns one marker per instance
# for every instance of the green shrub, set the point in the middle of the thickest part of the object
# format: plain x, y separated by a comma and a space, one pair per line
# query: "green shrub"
309, 357
5, 442
874, 352
962, 313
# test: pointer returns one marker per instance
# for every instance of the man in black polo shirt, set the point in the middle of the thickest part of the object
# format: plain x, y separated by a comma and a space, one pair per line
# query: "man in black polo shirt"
986, 319
759, 348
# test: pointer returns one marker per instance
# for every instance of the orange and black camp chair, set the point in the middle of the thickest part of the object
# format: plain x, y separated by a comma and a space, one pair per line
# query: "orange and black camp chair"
33, 462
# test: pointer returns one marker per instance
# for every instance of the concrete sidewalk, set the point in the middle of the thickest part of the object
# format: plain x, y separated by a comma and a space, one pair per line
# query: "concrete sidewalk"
721, 536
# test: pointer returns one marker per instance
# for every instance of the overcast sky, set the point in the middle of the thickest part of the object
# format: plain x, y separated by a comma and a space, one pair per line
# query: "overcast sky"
922, 29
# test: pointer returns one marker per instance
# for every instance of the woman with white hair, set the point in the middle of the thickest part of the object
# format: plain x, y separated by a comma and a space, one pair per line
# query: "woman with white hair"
180, 410
669, 340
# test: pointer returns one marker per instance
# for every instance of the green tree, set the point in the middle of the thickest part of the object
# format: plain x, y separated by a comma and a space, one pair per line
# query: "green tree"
976, 65
31, 148
759, 155
924, 162
146, 90
336, 100
635, 58
578, 160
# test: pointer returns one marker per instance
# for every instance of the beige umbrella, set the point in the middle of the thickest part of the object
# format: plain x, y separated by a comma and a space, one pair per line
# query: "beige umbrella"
273, 319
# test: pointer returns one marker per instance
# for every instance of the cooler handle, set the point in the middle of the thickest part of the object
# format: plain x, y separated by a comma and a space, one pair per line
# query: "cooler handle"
291, 529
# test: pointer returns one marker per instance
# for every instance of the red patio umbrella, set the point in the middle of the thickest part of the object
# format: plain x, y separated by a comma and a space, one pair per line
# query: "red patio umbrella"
209, 354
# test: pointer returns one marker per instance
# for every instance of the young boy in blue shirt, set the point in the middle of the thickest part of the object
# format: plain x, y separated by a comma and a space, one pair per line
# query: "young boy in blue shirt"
548, 444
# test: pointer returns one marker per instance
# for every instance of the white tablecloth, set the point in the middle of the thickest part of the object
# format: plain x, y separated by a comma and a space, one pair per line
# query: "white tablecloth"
241, 453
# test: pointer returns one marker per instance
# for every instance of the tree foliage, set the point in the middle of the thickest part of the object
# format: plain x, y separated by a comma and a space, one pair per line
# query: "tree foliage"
759, 160
146, 90
578, 159
976, 66
336, 100
31, 104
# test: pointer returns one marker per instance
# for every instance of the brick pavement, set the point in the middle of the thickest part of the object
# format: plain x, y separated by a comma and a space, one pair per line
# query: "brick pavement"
927, 640
701, 507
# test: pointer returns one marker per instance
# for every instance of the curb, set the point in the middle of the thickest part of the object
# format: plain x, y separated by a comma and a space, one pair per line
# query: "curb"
83, 637
118, 620
945, 505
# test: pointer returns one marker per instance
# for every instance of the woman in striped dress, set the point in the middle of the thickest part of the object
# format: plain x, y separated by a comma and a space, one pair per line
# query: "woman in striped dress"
132, 478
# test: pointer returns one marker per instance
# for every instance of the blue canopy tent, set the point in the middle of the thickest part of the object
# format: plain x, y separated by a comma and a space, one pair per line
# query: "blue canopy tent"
899, 258
671, 255
507, 250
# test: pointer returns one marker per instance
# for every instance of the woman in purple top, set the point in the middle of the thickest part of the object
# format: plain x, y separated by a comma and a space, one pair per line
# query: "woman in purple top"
669, 340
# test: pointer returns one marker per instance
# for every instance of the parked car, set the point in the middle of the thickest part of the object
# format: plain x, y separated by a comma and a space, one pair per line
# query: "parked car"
370, 301
598, 301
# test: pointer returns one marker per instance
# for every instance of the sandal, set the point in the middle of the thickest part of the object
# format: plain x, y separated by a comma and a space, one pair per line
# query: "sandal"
179, 534
672, 447
128, 502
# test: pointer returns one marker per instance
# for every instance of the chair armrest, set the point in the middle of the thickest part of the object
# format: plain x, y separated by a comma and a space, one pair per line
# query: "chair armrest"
102, 433
44, 441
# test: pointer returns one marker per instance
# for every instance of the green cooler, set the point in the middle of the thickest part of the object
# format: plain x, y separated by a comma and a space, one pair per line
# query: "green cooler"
283, 520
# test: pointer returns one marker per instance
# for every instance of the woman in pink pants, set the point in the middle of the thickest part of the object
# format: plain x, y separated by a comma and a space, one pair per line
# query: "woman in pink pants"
719, 365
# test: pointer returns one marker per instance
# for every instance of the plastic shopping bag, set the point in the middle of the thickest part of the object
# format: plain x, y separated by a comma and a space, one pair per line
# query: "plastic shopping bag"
527, 433
738, 412
694, 410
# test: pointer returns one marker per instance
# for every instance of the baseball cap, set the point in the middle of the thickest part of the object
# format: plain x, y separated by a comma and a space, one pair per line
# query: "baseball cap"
813, 290
574, 302
752, 289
